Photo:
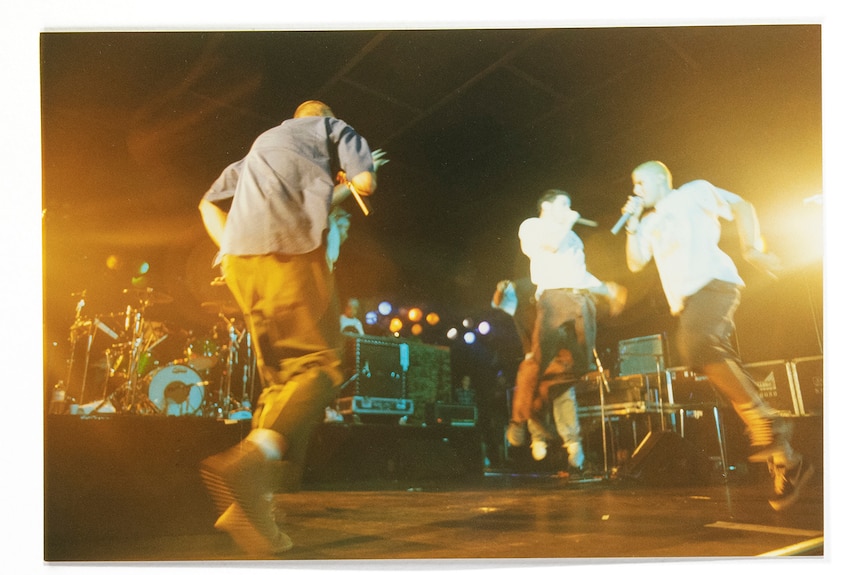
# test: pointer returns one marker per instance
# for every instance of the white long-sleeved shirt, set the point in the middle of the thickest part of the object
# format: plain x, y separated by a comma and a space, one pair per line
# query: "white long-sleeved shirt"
557, 258
682, 235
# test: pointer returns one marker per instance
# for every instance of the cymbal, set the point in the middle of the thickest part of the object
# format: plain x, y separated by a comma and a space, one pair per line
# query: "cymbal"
148, 295
224, 307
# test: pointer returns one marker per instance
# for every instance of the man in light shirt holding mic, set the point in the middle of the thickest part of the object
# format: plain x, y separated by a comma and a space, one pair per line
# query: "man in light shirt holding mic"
565, 315
680, 229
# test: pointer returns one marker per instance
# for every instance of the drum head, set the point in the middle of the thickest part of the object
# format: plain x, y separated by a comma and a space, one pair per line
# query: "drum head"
176, 390
203, 354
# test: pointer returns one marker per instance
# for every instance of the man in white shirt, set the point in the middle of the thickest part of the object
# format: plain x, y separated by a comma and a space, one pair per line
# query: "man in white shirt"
681, 232
565, 319
350, 322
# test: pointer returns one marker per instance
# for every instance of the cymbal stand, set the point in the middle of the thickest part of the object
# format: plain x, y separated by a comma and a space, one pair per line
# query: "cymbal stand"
248, 371
658, 378
225, 398
73, 337
90, 336
603, 387
113, 364
133, 392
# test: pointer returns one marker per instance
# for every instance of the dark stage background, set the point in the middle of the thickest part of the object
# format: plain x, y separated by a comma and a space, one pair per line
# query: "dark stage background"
476, 123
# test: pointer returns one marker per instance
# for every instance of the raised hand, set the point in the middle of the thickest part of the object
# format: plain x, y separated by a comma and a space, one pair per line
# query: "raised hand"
379, 160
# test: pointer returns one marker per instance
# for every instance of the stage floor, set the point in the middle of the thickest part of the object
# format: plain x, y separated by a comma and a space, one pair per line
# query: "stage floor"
100, 509
502, 517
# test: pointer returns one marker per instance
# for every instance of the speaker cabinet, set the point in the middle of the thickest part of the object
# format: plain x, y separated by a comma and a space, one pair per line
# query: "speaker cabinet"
665, 459
379, 367
808, 373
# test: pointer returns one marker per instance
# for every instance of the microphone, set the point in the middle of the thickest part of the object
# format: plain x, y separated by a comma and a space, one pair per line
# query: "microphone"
363, 202
627, 214
620, 223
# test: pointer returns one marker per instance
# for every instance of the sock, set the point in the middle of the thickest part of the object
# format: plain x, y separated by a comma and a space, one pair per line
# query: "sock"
270, 442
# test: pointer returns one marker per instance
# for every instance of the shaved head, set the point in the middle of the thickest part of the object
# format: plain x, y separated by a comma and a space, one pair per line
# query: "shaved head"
655, 168
313, 108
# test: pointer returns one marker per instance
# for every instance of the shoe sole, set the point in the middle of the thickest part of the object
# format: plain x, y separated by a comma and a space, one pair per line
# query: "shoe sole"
221, 494
235, 523
782, 504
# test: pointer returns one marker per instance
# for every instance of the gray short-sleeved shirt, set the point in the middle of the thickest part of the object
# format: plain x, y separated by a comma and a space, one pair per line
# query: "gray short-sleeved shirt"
281, 191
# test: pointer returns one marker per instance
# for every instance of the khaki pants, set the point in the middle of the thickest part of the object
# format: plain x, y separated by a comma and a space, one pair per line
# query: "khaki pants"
291, 309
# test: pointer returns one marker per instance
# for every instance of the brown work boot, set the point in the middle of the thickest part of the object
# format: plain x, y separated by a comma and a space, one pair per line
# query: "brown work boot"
240, 483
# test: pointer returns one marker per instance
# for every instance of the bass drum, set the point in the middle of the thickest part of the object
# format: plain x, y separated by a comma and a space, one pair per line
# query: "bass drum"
176, 390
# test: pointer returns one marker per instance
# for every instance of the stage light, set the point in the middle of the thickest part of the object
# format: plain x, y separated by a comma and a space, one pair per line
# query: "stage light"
385, 308
415, 314
112, 262
452, 333
396, 324
143, 268
432, 318
371, 318
484, 328
469, 337
416, 329
468, 323
139, 281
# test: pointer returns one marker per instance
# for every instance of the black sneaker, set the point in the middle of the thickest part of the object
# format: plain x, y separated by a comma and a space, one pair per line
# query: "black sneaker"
789, 482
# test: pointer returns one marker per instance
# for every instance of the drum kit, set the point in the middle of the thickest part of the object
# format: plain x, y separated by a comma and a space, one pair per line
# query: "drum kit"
150, 367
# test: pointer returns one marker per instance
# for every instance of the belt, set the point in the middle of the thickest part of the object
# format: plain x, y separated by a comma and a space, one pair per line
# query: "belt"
567, 290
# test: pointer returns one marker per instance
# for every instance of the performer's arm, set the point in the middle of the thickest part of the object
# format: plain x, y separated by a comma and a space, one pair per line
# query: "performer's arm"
638, 251
214, 219
751, 242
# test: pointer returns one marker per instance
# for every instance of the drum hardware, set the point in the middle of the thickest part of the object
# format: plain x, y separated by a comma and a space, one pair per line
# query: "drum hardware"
87, 328
73, 334
147, 296
134, 399
249, 371
225, 307
604, 387
113, 359
228, 406
225, 398
202, 353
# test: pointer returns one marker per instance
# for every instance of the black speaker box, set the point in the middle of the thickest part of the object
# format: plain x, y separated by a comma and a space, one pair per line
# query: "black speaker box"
377, 367
666, 459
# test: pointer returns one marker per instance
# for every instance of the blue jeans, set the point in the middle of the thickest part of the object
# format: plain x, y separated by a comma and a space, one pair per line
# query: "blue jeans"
565, 320
563, 411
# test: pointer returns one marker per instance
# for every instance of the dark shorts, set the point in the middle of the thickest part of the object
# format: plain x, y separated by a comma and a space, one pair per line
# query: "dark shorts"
706, 325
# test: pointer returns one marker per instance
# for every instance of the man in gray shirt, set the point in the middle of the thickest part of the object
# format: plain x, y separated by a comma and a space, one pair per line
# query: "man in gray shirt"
268, 214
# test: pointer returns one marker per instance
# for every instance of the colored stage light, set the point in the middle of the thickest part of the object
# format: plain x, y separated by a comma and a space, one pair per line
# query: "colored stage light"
416, 329
469, 337
484, 328
415, 314
396, 324
371, 318
385, 308
432, 318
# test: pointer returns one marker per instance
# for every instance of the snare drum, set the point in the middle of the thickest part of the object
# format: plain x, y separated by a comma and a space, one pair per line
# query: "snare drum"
202, 354
176, 390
